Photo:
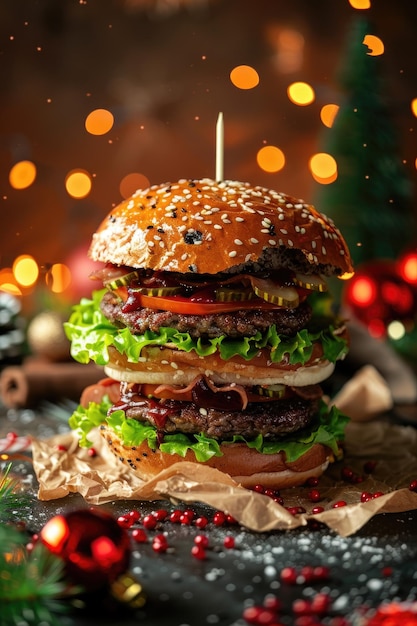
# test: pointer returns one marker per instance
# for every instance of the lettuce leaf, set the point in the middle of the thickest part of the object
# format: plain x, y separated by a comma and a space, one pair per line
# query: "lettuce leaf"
328, 430
91, 334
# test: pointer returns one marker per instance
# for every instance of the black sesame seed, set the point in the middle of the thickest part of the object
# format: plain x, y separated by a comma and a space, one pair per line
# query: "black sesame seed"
193, 268
149, 227
144, 454
191, 184
192, 236
161, 230
272, 229
183, 209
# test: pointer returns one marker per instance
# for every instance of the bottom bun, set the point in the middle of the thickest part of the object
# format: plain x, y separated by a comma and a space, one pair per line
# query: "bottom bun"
245, 465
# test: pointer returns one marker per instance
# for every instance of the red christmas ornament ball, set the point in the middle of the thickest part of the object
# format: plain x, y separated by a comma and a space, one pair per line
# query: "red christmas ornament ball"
94, 547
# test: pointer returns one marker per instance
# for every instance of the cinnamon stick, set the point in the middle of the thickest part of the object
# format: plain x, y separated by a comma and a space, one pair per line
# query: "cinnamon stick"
37, 379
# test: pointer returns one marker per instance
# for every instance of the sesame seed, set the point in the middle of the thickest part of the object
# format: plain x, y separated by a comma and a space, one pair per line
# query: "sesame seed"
161, 244
184, 257
151, 244
232, 253
238, 242
253, 240
224, 216
323, 249
281, 216
203, 411
290, 243
218, 227
313, 244
265, 230
239, 219
157, 238
174, 365
164, 362
208, 222
284, 231
272, 242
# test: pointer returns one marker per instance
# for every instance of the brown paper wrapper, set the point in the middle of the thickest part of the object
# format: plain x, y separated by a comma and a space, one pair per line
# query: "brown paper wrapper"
103, 478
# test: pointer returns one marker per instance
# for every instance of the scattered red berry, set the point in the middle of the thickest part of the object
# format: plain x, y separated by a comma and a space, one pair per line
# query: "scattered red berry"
160, 543
259, 615
315, 495
125, 521
149, 521
229, 542
338, 504
317, 509
134, 516
139, 535
413, 486
289, 575
175, 516
201, 522
201, 540
160, 514
219, 518
198, 552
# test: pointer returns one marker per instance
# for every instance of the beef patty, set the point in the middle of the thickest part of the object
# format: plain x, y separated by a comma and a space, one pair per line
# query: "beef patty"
240, 323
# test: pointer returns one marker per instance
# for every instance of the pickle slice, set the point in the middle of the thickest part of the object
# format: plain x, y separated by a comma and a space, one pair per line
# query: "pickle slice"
158, 291
282, 295
270, 391
313, 282
228, 294
122, 280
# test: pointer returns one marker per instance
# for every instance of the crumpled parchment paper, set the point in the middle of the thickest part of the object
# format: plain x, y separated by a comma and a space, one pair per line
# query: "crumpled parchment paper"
369, 437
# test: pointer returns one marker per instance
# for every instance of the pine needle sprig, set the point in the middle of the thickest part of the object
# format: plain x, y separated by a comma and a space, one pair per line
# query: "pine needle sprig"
32, 582
10, 497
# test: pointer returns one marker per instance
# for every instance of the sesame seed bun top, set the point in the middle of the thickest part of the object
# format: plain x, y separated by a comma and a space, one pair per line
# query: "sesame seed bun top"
205, 226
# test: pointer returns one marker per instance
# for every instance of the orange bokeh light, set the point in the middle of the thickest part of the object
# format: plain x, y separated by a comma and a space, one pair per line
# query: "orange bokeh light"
25, 270
301, 93
99, 122
59, 277
131, 182
244, 77
22, 175
323, 168
414, 106
374, 44
360, 4
78, 183
54, 533
362, 291
270, 159
328, 113
408, 268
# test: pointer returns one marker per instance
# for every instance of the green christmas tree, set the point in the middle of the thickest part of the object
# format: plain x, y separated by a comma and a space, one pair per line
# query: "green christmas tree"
371, 199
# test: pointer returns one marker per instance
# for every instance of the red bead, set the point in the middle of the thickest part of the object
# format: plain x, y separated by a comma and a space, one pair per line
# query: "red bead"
301, 607
175, 516
321, 572
413, 485
139, 535
307, 573
366, 496
313, 481
315, 495
201, 540
201, 522
92, 452
320, 604
125, 521
230, 519
149, 521
160, 543
339, 504
160, 514
134, 516
272, 603
259, 489
229, 542
219, 518
317, 509
259, 615
198, 552
289, 575
377, 494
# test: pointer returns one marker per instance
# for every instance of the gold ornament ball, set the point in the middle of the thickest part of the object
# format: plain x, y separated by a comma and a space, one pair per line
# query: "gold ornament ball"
46, 337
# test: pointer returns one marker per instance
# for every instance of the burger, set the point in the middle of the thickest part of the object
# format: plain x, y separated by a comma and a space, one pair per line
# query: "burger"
212, 321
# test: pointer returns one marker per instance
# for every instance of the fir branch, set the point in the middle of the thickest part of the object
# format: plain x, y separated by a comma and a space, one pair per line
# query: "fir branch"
9, 497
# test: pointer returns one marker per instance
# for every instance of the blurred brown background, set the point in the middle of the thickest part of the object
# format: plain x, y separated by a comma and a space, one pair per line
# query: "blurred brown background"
162, 67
